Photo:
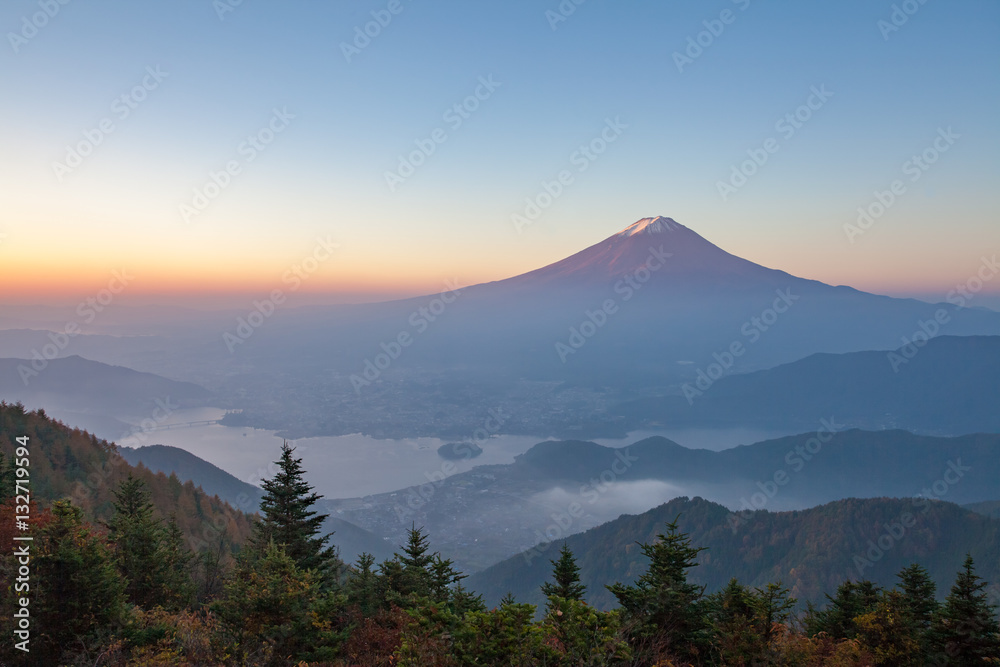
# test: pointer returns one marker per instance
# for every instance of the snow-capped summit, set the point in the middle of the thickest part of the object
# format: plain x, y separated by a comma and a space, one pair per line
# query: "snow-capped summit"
684, 260
650, 226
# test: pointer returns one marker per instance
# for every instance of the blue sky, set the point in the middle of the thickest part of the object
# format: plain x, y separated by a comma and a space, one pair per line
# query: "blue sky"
559, 84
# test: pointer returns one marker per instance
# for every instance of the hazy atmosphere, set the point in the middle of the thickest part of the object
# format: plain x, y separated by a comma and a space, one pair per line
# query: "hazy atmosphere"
500, 333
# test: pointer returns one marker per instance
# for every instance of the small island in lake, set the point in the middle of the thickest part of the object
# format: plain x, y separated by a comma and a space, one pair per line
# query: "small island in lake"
459, 451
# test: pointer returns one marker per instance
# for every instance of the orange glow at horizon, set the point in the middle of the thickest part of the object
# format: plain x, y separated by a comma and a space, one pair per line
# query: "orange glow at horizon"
34, 283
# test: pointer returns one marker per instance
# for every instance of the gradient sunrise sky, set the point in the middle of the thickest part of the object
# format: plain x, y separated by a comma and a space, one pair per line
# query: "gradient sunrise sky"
893, 79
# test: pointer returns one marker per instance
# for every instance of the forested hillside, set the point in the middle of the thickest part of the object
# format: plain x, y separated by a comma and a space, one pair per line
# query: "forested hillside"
810, 551
69, 463
107, 581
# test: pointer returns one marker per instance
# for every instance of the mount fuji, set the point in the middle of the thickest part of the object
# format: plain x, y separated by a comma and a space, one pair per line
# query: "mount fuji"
591, 342
692, 260
651, 304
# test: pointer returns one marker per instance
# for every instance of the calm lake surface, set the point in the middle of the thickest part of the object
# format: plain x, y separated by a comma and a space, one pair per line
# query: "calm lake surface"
347, 466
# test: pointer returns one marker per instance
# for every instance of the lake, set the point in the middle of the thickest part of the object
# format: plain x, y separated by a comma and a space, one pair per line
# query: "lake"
347, 466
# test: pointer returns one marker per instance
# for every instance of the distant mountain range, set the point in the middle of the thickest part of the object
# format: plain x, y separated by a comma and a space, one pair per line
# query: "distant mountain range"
810, 551
99, 397
948, 386
562, 487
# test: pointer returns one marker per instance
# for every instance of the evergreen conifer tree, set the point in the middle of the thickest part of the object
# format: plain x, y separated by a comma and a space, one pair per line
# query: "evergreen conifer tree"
565, 577
289, 520
664, 614
918, 590
964, 631
137, 537
78, 597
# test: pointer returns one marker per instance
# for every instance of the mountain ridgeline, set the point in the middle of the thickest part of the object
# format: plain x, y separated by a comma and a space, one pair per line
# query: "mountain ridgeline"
562, 487
676, 300
948, 385
811, 551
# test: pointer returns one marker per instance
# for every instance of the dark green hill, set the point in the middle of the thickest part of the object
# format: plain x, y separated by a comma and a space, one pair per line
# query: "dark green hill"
215, 480
556, 489
812, 551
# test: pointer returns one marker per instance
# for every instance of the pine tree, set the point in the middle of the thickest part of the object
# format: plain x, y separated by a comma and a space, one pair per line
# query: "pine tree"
853, 599
77, 595
774, 605
416, 561
265, 608
177, 560
663, 614
888, 631
739, 637
289, 520
137, 536
918, 602
444, 577
964, 631
418, 574
416, 556
566, 577
363, 587
918, 590
463, 601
